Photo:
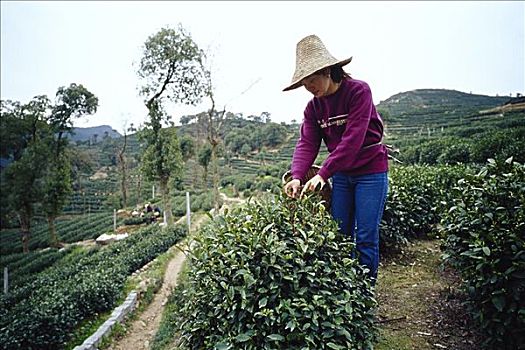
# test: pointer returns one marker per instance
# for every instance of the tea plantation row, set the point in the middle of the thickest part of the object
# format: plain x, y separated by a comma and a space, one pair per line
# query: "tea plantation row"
69, 230
42, 312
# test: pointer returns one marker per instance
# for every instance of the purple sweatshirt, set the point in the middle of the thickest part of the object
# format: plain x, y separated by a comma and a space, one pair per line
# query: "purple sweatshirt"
347, 121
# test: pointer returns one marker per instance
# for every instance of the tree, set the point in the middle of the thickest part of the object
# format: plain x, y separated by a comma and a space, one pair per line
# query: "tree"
186, 119
21, 180
245, 150
72, 102
274, 134
214, 123
162, 162
204, 161
169, 69
123, 168
57, 189
187, 147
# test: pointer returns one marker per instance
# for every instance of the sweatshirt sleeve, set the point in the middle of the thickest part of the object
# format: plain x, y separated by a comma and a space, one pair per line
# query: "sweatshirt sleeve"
359, 114
307, 146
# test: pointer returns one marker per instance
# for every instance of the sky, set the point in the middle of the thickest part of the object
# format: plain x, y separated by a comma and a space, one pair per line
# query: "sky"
473, 46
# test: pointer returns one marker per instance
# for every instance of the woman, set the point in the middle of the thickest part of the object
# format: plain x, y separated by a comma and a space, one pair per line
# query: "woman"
343, 115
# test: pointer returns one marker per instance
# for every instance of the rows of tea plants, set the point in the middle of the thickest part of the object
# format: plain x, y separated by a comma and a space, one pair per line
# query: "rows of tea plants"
485, 242
479, 214
23, 266
69, 230
42, 313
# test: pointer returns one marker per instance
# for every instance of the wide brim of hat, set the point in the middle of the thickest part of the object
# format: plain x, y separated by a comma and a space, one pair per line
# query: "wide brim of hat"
297, 81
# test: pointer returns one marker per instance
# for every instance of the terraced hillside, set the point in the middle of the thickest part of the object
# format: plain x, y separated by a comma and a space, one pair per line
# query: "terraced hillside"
427, 113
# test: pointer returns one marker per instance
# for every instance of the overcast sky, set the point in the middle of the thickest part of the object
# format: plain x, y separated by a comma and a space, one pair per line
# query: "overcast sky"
470, 46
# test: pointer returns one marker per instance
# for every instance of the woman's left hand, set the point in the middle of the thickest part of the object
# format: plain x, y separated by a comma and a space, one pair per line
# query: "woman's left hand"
313, 184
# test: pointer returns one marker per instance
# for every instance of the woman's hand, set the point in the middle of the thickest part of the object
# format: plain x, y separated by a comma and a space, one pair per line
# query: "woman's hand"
292, 188
316, 182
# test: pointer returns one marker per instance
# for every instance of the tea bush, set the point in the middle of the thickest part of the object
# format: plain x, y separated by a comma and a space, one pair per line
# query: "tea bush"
274, 275
486, 243
416, 197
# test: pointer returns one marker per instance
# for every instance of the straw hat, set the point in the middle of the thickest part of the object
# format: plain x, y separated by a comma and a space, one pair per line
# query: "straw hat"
311, 56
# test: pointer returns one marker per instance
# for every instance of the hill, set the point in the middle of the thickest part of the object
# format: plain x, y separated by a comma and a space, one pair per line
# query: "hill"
85, 134
436, 100
438, 112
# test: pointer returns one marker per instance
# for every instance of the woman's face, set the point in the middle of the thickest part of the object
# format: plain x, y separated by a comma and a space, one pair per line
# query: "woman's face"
318, 84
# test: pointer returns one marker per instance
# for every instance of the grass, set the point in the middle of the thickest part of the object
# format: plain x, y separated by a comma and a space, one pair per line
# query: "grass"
416, 309
404, 287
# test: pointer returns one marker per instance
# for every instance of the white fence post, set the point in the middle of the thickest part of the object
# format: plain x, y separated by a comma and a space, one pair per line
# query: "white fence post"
114, 220
188, 211
6, 280
153, 192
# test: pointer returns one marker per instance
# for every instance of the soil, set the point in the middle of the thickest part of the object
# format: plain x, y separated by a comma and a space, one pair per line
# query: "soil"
141, 332
420, 306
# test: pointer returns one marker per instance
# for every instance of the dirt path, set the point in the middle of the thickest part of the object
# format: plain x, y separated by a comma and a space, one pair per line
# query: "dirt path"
141, 331
418, 308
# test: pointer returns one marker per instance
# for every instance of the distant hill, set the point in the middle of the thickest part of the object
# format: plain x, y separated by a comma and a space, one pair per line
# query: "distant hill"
84, 134
425, 101
437, 112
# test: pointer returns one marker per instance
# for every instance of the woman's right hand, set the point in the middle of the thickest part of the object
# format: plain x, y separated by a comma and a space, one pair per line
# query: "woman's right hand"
293, 188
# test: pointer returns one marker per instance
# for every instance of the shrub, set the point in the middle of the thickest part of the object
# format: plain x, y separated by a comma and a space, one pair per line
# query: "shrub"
498, 143
455, 153
274, 275
486, 244
416, 197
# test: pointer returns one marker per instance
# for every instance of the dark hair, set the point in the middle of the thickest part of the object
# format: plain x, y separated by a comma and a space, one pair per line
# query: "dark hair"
337, 73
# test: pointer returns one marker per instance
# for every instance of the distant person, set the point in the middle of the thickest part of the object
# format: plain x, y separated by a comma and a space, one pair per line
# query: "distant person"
343, 115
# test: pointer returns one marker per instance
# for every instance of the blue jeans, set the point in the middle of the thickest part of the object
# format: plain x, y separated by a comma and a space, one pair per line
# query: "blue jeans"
357, 205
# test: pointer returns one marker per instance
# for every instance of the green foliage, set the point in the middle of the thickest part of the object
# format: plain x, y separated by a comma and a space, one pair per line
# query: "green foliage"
80, 286
199, 201
163, 159
135, 221
187, 147
499, 144
274, 275
170, 67
416, 198
476, 149
71, 230
22, 267
72, 102
40, 172
486, 245
23, 140
204, 156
